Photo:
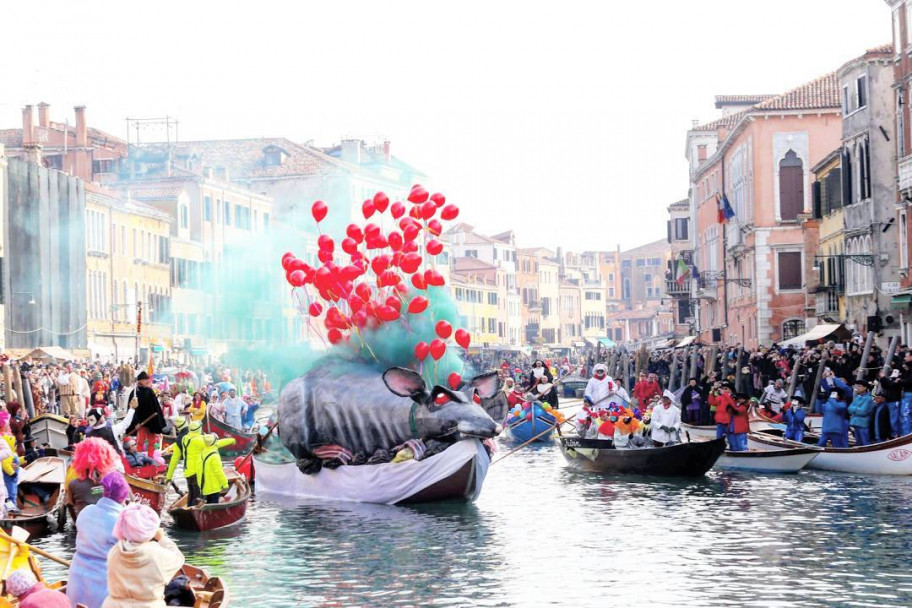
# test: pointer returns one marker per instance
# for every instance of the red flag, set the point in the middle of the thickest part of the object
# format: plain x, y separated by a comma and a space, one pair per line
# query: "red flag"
720, 213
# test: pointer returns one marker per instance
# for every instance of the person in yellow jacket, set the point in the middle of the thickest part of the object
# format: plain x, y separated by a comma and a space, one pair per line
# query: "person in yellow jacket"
177, 452
212, 478
196, 408
10, 465
190, 447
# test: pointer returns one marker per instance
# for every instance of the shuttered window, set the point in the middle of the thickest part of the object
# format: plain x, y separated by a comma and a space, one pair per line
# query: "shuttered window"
789, 270
791, 187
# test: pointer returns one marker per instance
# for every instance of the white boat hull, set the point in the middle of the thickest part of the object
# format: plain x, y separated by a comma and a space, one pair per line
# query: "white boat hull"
387, 483
766, 461
892, 457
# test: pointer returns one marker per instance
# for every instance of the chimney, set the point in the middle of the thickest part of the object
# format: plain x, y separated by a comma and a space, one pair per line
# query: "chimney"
386, 151
82, 138
28, 122
351, 151
33, 152
44, 119
694, 123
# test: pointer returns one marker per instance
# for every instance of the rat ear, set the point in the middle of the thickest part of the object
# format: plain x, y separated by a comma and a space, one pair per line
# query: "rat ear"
405, 383
486, 385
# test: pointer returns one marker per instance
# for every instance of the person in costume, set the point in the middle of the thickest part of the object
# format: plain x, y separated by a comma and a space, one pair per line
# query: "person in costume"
235, 408
6, 458
134, 457
10, 465
794, 414
860, 410
724, 403
142, 562
87, 583
148, 418
693, 398
92, 460
98, 427
197, 407
646, 388
212, 477
18, 426
834, 414
188, 452
666, 422
538, 372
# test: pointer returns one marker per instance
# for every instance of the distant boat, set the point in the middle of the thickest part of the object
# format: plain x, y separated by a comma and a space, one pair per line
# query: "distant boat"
203, 518
540, 428
768, 461
47, 475
893, 457
680, 460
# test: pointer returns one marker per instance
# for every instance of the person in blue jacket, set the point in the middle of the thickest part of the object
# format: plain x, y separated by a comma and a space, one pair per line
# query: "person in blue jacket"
834, 430
793, 414
860, 410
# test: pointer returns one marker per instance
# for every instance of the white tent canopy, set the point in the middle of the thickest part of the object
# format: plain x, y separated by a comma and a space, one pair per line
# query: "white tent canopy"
819, 332
51, 352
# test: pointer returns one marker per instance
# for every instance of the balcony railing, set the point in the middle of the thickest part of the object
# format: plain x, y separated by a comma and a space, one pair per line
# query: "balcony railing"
828, 301
673, 288
905, 173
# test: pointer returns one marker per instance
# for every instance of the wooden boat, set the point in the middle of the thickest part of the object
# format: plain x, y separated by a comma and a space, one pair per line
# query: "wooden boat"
893, 457
456, 473
812, 421
203, 518
50, 429
148, 491
540, 428
709, 431
768, 461
681, 460
243, 442
47, 475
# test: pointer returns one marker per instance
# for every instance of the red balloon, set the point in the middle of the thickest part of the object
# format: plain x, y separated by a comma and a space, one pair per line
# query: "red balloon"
334, 336
434, 247
438, 199
350, 273
409, 247
315, 309
463, 338
401, 288
394, 303
434, 278
443, 329
415, 212
397, 210
437, 348
454, 380
349, 246
395, 241
388, 278
297, 264
387, 313
326, 242
410, 262
434, 227
371, 231
421, 351
319, 211
418, 194
363, 291
355, 303
428, 209
377, 242
418, 281
297, 278
360, 319
380, 263
381, 201
411, 232
286, 260
354, 233
325, 256
418, 305
322, 277
449, 212
367, 208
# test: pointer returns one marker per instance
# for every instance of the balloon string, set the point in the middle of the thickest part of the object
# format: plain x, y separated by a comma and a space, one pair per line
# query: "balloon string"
364, 343
297, 299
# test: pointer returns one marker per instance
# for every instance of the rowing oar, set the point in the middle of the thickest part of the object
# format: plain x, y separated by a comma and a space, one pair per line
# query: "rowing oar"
136, 428
259, 444
34, 549
542, 434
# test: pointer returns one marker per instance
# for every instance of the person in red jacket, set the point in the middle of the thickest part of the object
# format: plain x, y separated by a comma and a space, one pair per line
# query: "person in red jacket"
740, 424
645, 389
724, 404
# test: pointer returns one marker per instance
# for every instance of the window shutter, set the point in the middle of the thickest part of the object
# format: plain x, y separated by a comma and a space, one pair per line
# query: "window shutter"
790, 270
818, 208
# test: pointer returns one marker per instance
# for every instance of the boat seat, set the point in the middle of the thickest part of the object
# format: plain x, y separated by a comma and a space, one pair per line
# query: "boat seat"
213, 583
216, 600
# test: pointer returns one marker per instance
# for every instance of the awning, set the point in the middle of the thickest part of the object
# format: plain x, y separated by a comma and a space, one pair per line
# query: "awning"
607, 342
902, 299
820, 332
686, 342
51, 352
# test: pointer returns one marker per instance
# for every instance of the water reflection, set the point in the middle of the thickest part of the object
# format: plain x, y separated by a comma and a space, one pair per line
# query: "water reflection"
545, 535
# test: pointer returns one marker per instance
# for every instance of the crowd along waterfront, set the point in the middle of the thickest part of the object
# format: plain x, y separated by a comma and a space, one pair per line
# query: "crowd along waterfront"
544, 535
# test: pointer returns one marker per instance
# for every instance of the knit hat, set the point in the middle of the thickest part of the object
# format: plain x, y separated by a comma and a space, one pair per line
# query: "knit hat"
20, 582
4, 418
136, 523
115, 487
142, 376
180, 422
129, 441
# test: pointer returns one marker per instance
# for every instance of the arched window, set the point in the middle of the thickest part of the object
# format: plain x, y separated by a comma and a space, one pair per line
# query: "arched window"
791, 187
867, 271
792, 328
851, 281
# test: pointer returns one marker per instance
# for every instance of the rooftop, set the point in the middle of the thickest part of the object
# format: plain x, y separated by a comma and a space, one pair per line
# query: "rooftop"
741, 100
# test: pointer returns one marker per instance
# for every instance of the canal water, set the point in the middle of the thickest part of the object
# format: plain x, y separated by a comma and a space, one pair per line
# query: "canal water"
542, 535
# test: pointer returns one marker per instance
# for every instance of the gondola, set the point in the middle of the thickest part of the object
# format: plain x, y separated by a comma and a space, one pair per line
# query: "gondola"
893, 457
768, 461
539, 428
202, 518
45, 476
50, 429
148, 491
457, 473
680, 460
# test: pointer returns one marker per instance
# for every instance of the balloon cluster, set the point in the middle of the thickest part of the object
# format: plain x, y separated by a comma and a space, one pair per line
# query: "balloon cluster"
377, 276
534, 409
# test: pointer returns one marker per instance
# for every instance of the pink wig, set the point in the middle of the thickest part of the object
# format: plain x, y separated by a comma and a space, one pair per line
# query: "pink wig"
94, 457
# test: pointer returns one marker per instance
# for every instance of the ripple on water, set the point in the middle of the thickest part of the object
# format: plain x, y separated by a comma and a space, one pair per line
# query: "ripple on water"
543, 535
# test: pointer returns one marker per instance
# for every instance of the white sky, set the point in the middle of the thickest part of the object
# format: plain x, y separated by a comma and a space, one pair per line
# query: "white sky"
564, 120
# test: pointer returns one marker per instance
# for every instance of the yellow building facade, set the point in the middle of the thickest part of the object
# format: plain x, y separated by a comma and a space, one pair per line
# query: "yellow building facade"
478, 307
830, 263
